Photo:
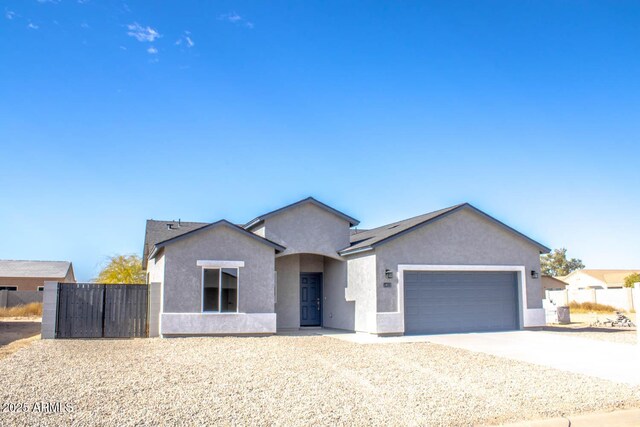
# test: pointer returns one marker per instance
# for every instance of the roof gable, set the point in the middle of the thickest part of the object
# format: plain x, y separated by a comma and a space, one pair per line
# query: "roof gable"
158, 231
257, 220
369, 239
221, 223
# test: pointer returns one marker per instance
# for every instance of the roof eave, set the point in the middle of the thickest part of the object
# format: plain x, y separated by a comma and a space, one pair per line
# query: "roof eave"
225, 223
543, 249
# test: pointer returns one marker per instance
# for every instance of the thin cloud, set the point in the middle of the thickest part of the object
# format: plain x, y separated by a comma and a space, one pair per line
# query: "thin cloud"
85, 26
49, 1
32, 26
142, 34
10, 15
185, 39
152, 50
235, 19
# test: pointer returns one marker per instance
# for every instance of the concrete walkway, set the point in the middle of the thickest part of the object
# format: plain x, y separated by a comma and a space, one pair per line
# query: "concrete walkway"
602, 359
626, 418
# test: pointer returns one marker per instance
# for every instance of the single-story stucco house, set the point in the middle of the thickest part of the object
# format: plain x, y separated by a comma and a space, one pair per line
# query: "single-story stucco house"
23, 275
305, 265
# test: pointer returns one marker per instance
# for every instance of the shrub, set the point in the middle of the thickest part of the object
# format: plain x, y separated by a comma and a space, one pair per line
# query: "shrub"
33, 309
585, 307
631, 280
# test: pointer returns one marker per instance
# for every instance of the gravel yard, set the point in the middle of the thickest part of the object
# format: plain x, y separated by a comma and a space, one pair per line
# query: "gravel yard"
580, 326
288, 380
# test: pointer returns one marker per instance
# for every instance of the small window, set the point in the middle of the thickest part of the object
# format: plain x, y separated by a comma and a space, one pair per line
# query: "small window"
8, 288
40, 288
220, 290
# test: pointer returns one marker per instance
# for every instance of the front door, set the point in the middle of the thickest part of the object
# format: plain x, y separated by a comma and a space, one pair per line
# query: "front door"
310, 299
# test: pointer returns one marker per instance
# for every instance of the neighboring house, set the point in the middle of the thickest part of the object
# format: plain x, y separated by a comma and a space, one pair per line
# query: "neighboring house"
552, 284
31, 275
596, 279
453, 270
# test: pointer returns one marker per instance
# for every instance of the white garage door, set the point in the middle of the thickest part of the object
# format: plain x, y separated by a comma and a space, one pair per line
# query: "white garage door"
448, 302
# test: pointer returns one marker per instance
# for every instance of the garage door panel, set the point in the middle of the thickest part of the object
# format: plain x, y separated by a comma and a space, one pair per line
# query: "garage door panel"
446, 302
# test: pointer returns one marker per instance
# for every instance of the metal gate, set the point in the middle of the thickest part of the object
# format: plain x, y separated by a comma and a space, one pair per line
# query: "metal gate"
96, 310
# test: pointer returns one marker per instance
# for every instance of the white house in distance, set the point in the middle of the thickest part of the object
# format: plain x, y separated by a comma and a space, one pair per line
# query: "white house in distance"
596, 279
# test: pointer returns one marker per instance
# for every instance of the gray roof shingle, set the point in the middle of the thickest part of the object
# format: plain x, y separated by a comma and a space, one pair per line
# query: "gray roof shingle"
44, 269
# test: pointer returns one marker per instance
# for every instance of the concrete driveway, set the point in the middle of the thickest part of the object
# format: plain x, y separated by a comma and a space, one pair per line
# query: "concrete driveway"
606, 360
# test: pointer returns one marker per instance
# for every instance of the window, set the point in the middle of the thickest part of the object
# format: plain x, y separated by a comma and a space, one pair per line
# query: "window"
40, 288
220, 290
8, 288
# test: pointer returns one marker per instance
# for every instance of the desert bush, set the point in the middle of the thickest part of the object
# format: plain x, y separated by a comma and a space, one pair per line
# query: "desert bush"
33, 309
586, 307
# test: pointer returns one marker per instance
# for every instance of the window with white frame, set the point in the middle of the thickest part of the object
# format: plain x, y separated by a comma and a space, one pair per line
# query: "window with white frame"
40, 288
8, 288
220, 290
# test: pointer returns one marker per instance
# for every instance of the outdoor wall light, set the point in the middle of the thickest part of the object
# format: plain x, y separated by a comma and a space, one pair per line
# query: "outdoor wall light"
534, 274
388, 274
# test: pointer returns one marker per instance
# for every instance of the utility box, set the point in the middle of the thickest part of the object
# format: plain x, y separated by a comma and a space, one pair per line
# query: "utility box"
556, 314
564, 315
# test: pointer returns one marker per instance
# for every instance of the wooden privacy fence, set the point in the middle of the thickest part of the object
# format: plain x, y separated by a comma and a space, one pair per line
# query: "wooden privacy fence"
96, 310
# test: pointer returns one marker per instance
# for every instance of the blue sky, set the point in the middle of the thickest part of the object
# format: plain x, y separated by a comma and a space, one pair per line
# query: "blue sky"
113, 112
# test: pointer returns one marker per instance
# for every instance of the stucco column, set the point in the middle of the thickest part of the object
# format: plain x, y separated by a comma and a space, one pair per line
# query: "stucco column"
49, 310
154, 309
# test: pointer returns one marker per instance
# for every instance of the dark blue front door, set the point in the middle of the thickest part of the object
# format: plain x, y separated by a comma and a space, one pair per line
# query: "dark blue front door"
310, 299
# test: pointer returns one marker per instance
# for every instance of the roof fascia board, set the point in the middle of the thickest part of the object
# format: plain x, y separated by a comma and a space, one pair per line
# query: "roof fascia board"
224, 223
346, 251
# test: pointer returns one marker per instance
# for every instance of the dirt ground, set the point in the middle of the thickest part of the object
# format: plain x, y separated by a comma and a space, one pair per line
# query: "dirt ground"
17, 333
580, 326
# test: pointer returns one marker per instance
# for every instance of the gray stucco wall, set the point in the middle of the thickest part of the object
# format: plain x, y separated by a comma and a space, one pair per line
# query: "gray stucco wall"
288, 304
461, 238
308, 229
337, 312
14, 298
183, 278
310, 263
361, 289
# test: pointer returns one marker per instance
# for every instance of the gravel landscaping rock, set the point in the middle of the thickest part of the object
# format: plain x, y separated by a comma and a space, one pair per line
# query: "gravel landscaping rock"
287, 380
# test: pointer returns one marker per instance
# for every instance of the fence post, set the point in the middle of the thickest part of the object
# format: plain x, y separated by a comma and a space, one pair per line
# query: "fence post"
49, 310
4, 296
636, 304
